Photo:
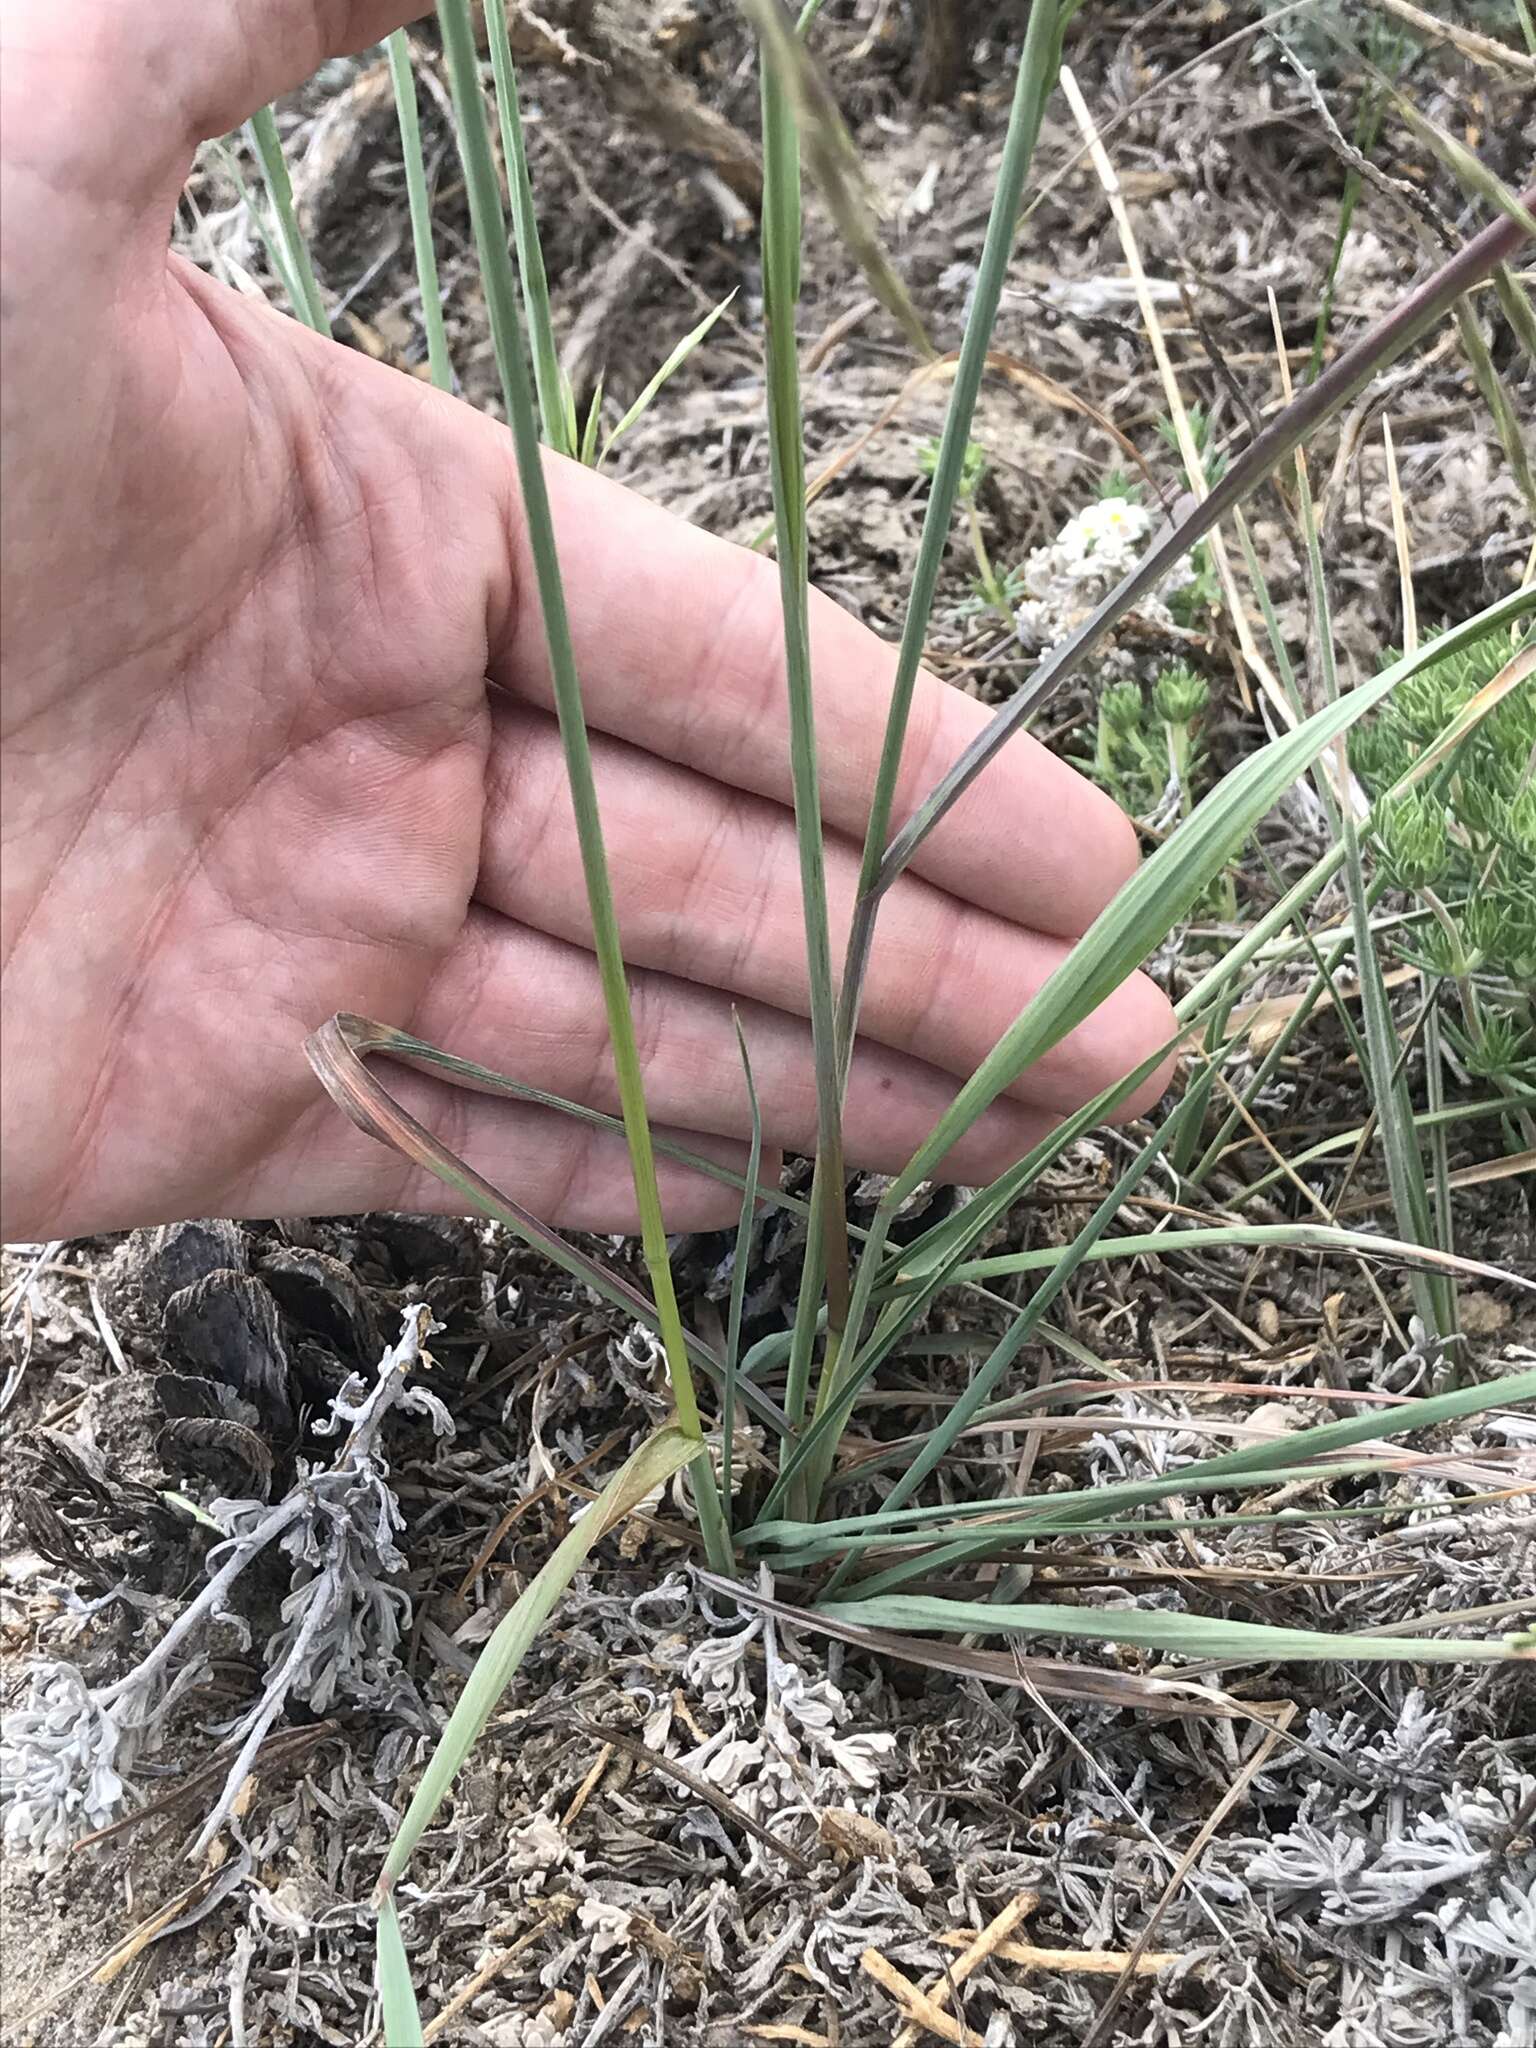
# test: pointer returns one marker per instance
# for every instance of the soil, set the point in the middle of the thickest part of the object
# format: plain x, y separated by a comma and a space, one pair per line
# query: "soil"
1321, 1855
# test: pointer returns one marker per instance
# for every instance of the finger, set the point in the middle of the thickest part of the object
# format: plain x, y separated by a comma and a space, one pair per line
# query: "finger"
679, 644
706, 883
568, 1174
531, 1007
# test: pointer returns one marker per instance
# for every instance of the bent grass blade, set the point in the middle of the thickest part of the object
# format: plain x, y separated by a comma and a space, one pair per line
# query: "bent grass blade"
338, 1062
1344, 378
657, 1459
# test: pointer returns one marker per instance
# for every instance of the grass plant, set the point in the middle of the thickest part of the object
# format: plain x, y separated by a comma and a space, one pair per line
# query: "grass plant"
908, 1563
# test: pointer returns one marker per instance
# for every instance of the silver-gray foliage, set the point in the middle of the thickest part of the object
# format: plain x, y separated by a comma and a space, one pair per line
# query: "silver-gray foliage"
67, 1753
1428, 1893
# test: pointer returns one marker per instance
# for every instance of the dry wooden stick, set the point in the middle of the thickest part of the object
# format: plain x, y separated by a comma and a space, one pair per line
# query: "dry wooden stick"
1099, 2031
701, 1788
1485, 50
1080, 1962
919, 2009
588, 1786
493, 1966
977, 1949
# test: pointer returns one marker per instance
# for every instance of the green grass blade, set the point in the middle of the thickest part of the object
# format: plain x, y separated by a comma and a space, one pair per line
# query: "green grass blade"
591, 433
943, 1436
938, 1253
501, 298
1329, 1239
1229, 1467
299, 272
1161, 892
1428, 1121
1187, 1635
1201, 1086
397, 1996
256, 213
657, 1459
403, 78
781, 287
1434, 1299
1439, 1168
673, 363
1033, 84
833, 160
971, 1530
1341, 381
745, 1231
553, 411
1516, 304
1512, 432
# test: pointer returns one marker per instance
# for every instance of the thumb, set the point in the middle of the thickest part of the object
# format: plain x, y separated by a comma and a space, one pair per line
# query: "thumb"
104, 104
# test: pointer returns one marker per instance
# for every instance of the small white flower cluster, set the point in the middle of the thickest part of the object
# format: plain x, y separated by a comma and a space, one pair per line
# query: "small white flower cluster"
1065, 581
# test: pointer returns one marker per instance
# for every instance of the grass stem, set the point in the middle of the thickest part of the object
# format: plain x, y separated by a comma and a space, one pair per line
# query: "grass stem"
501, 296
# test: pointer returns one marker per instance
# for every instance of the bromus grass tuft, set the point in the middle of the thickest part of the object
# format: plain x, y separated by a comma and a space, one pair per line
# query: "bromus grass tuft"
1421, 775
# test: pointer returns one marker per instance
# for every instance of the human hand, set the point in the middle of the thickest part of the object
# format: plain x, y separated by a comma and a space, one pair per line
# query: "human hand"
279, 742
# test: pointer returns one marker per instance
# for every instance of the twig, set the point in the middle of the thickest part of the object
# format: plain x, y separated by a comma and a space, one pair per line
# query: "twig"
1484, 50
919, 2009
493, 1966
1138, 1958
700, 1787
1080, 1962
978, 1948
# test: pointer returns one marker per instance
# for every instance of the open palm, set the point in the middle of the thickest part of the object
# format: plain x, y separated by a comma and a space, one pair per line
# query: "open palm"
278, 738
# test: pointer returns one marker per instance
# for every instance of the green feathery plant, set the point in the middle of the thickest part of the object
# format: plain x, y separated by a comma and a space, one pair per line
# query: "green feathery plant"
1426, 729
1463, 843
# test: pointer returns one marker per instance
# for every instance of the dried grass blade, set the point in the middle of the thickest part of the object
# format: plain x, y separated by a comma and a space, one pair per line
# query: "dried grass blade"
338, 1062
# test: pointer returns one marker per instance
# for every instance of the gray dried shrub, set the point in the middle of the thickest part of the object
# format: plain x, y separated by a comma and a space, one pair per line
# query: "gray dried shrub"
68, 1751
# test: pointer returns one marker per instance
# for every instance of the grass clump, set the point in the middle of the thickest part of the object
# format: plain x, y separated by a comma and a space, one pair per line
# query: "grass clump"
1452, 819
902, 1559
